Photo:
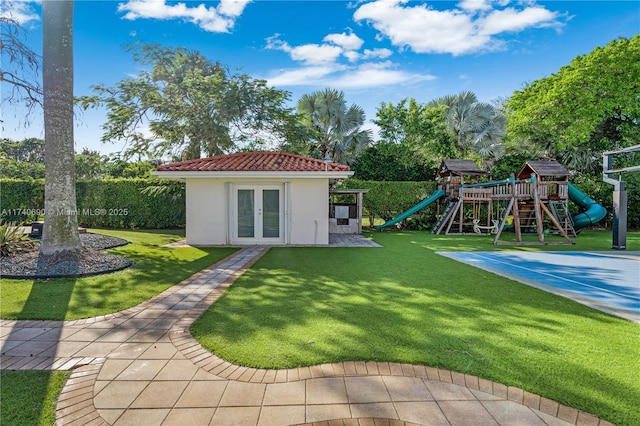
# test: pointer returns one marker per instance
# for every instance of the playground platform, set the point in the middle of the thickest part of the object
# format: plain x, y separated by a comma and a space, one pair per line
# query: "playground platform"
608, 281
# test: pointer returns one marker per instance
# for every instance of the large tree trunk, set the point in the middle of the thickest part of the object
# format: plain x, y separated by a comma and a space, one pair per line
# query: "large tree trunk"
60, 238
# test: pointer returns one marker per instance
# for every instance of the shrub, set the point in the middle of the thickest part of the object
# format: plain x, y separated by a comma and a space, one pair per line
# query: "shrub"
13, 240
388, 199
108, 203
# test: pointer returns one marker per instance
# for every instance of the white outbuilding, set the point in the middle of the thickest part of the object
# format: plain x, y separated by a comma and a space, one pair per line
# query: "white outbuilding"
251, 198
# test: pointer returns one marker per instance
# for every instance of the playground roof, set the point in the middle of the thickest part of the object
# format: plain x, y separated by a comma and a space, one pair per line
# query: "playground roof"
542, 169
459, 168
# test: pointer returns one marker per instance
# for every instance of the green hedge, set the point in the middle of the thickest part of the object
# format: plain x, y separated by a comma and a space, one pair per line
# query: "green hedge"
21, 200
388, 199
109, 203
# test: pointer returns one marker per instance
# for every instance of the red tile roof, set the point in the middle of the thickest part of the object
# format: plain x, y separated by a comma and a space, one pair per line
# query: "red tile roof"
253, 162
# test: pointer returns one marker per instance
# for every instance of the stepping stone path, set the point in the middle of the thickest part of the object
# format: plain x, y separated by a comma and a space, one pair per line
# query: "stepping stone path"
141, 366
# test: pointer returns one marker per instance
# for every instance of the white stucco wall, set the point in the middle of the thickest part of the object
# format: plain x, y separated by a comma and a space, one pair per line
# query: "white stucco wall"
306, 209
206, 212
309, 211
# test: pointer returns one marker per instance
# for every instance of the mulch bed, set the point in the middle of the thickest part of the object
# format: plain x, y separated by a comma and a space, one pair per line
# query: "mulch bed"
90, 261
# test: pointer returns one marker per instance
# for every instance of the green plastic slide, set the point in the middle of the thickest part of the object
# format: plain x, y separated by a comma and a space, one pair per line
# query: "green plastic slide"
422, 204
593, 212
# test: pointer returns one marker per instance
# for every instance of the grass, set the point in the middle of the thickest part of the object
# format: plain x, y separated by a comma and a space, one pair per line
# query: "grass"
156, 269
404, 303
28, 398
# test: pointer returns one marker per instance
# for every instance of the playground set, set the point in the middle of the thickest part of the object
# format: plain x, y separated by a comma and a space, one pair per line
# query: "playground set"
534, 201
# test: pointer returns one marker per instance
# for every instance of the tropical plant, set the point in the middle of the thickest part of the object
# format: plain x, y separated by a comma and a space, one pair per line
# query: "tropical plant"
334, 129
479, 127
13, 240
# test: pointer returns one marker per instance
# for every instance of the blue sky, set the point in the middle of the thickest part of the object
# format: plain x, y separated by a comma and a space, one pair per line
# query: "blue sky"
375, 51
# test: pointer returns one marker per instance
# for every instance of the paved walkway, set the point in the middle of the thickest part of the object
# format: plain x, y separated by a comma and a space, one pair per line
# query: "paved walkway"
142, 367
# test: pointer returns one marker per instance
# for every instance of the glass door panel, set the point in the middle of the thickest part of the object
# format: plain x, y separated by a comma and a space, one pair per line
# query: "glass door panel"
246, 213
270, 213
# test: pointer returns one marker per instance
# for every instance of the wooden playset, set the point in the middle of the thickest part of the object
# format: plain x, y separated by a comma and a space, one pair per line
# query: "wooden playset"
535, 201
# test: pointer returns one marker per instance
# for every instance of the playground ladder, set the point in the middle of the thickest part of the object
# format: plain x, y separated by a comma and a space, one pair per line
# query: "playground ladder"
527, 216
446, 216
561, 212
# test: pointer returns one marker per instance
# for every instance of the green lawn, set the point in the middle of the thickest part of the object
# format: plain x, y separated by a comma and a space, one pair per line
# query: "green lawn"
28, 398
404, 303
156, 269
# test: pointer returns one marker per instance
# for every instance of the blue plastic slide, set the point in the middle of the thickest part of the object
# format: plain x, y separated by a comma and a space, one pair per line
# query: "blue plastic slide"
593, 212
422, 204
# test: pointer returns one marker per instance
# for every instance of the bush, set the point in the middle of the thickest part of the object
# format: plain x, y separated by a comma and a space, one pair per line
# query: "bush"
393, 162
21, 200
388, 199
109, 203
13, 240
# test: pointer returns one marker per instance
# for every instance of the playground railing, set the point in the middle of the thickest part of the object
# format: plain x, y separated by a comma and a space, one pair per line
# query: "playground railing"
476, 194
553, 189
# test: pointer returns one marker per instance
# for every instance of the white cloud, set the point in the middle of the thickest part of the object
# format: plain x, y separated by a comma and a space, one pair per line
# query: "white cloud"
347, 41
376, 53
220, 19
343, 77
315, 53
19, 11
509, 20
377, 75
311, 54
470, 28
302, 76
473, 5
324, 65
232, 8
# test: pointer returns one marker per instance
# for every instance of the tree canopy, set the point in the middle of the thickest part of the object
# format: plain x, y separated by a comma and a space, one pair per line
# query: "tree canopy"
422, 127
478, 127
393, 162
332, 127
588, 106
190, 105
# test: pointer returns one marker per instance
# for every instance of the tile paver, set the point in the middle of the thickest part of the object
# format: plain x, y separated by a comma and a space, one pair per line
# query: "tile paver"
142, 367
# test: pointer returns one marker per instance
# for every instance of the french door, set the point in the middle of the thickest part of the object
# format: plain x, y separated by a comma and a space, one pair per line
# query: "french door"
259, 217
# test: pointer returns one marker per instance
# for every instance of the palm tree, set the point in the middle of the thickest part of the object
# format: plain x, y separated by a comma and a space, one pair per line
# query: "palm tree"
335, 129
479, 127
60, 237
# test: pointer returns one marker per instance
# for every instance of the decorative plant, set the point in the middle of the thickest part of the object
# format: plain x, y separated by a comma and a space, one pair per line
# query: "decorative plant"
14, 240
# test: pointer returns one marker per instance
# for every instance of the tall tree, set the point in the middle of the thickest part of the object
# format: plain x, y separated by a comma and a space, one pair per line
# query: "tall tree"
190, 104
479, 127
90, 164
334, 129
29, 149
60, 238
589, 106
419, 126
